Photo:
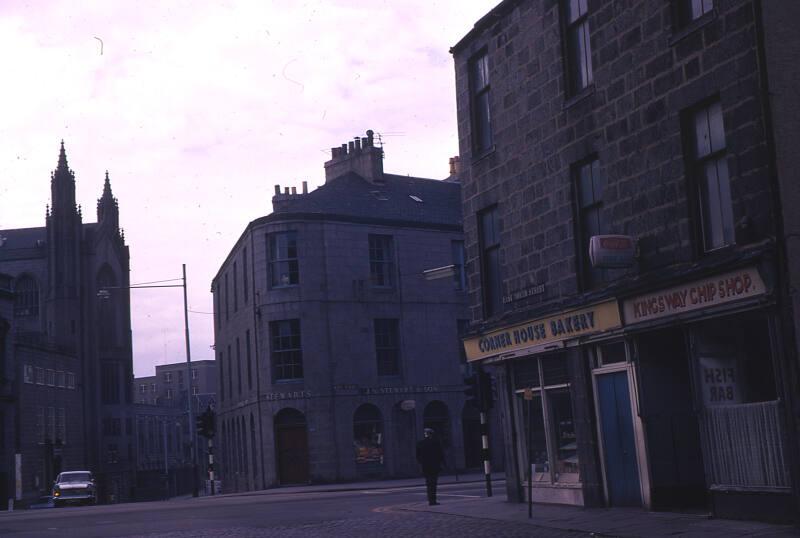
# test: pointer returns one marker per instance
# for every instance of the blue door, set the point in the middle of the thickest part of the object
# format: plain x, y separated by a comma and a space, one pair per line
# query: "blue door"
619, 447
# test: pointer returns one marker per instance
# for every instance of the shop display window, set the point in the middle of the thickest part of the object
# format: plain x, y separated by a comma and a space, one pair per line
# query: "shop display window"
547, 419
368, 435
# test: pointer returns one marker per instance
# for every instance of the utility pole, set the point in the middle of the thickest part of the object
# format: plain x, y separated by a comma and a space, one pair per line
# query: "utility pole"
192, 439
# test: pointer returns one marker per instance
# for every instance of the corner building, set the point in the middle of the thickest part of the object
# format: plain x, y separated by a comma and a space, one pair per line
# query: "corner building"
665, 376
334, 350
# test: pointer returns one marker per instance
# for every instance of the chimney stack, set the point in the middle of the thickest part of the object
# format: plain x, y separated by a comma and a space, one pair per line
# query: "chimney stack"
359, 156
305, 187
277, 190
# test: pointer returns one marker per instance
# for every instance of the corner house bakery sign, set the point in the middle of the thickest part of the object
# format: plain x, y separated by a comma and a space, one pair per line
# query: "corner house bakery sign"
540, 332
711, 291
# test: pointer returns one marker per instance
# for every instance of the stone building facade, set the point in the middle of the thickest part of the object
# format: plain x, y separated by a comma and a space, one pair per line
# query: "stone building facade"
665, 375
68, 352
333, 348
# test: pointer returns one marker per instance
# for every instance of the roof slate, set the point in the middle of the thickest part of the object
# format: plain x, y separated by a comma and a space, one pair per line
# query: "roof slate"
351, 195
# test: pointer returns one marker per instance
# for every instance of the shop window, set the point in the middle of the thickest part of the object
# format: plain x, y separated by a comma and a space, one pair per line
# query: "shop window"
479, 103
578, 50
284, 269
287, 355
489, 238
547, 419
381, 260
368, 435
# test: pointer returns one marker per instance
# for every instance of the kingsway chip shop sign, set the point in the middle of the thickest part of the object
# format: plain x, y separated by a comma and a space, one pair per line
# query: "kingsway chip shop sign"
711, 291
543, 331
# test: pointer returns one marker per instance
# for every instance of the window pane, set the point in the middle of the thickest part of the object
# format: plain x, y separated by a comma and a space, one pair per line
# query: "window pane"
702, 134
716, 127
586, 48
718, 229
534, 430
483, 132
565, 445
555, 370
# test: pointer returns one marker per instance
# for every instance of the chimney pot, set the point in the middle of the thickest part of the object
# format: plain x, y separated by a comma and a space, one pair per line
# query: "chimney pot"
305, 187
357, 144
286, 190
277, 190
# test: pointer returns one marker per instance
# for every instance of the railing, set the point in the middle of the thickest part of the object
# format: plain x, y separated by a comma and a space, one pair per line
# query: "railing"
743, 447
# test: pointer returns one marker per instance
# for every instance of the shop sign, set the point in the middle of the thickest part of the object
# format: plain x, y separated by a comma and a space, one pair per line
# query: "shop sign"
705, 293
543, 331
296, 395
719, 381
408, 405
368, 391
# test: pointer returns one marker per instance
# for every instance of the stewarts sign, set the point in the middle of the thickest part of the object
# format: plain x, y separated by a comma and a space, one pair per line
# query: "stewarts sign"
540, 332
711, 291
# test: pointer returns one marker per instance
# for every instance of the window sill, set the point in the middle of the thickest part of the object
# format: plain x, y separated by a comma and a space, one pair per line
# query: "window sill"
286, 287
294, 381
578, 97
477, 157
692, 27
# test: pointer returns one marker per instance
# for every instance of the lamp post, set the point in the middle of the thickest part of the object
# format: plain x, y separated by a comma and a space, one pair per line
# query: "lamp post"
105, 294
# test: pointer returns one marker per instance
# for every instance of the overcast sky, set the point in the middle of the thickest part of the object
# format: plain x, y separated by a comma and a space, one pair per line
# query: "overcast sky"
197, 109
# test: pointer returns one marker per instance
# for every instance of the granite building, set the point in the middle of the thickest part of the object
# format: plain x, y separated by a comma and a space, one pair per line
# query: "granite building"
628, 199
333, 348
66, 353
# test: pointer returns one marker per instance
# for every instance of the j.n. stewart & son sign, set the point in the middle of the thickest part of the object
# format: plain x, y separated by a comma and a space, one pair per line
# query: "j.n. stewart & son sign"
543, 331
705, 293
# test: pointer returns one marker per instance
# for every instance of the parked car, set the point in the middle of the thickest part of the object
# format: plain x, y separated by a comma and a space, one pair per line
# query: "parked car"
74, 487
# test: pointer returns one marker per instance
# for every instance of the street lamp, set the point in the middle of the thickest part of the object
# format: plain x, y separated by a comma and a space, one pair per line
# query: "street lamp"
104, 293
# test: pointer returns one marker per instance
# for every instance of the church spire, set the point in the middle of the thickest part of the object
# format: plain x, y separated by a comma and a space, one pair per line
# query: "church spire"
62, 186
107, 207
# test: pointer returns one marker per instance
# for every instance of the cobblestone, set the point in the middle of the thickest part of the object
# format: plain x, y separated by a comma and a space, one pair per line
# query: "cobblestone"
386, 524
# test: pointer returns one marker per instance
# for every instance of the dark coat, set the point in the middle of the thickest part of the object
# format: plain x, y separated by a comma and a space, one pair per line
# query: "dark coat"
430, 455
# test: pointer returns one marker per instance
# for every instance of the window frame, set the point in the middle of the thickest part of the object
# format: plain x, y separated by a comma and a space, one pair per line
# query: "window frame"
382, 270
275, 260
695, 171
588, 276
492, 299
286, 350
579, 25
480, 105
683, 12
386, 333
27, 297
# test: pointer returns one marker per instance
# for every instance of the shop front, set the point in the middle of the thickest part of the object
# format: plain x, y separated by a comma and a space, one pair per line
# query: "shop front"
547, 398
706, 355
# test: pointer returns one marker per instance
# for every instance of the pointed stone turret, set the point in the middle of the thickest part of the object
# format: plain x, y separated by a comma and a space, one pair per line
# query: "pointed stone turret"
62, 186
107, 206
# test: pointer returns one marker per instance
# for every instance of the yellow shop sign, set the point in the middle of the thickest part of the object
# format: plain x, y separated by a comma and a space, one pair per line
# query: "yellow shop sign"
540, 332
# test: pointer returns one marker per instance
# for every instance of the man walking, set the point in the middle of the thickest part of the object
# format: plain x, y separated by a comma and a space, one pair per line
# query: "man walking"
431, 457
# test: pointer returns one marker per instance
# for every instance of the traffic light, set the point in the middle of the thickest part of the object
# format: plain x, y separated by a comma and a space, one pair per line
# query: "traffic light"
473, 391
205, 424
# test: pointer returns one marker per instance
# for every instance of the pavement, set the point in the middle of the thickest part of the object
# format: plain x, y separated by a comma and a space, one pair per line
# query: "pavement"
599, 522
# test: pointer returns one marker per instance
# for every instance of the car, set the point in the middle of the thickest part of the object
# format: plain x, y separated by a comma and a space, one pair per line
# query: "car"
74, 487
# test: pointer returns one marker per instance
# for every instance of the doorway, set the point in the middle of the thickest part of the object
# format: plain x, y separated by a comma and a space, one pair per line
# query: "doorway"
618, 439
291, 439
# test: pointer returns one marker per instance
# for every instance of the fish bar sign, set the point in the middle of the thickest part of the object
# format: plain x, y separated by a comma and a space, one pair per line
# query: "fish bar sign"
712, 291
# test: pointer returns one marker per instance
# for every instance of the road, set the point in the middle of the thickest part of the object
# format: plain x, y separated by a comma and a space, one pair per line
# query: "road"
375, 513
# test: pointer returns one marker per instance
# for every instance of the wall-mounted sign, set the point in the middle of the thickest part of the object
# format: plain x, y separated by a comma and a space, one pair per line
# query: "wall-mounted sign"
523, 293
704, 293
564, 326
612, 251
296, 395
367, 391
408, 405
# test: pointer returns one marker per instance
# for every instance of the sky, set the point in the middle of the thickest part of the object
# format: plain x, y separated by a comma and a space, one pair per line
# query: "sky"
197, 109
